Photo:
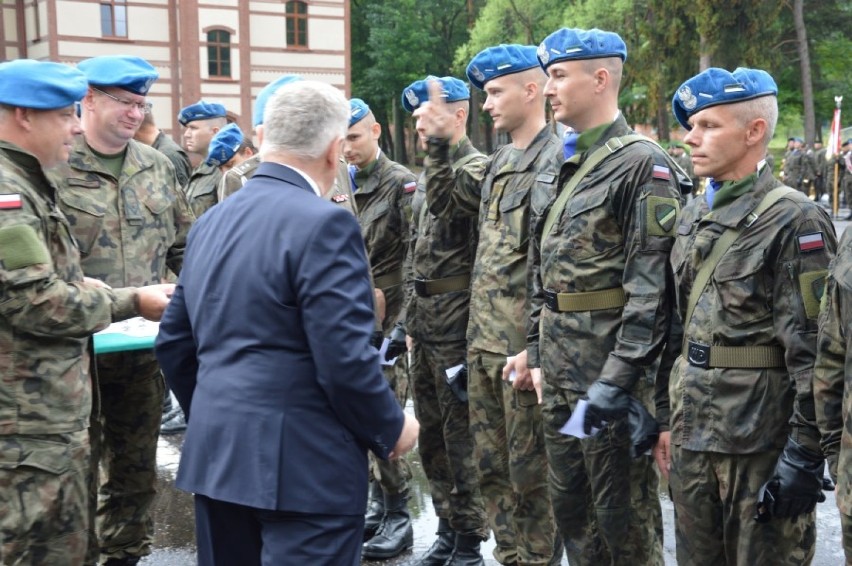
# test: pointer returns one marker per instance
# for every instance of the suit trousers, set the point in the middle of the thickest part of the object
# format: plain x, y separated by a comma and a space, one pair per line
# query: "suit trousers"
228, 534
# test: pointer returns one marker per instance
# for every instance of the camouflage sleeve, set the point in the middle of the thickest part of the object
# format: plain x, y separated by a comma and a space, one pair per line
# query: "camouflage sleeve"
448, 193
674, 342
806, 249
541, 197
36, 300
407, 187
647, 207
230, 183
183, 222
418, 201
829, 371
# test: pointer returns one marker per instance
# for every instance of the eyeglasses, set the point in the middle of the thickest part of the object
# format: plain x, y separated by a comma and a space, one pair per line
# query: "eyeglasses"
143, 107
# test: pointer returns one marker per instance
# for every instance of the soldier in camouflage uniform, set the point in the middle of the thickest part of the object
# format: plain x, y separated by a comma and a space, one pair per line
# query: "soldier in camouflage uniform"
382, 195
833, 382
437, 300
750, 269
149, 134
130, 221
505, 416
798, 170
48, 311
601, 304
202, 120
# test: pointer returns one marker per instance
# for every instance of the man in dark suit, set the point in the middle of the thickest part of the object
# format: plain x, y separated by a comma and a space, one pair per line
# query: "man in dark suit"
266, 345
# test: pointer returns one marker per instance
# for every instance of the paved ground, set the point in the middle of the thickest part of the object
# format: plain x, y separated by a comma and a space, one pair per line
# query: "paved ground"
175, 540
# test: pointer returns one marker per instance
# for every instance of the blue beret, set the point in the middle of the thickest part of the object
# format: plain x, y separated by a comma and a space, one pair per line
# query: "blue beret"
415, 94
500, 60
715, 86
266, 93
201, 110
569, 44
224, 145
40, 84
127, 72
358, 109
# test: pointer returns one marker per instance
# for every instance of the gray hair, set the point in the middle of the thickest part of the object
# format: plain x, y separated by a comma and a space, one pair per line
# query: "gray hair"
303, 118
765, 107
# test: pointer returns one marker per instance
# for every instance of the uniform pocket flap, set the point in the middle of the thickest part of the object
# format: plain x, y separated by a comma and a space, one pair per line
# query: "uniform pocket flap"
82, 202
42, 455
513, 200
587, 200
738, 265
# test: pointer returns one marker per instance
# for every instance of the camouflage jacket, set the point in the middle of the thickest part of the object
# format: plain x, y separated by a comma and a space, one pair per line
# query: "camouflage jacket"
129, 230
383, 205
176, 154
833, 373
765, 291
234, 179
798, 168
46, 313
498, 304
202, 189
615, 232
441, 248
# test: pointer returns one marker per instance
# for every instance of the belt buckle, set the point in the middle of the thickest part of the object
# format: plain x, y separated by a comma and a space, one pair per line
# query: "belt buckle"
698, 355
420, 287
551, 301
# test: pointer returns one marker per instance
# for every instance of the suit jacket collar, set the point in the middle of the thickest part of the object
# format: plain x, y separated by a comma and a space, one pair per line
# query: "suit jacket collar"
283, 173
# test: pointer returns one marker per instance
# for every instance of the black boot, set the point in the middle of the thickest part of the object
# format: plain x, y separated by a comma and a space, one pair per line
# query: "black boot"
375, 510
466, 552
442, 548
395, 535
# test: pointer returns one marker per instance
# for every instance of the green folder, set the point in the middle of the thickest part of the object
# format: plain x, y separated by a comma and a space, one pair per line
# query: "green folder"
112, 339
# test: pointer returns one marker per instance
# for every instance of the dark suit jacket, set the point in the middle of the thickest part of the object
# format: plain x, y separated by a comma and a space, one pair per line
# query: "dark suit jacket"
266, 347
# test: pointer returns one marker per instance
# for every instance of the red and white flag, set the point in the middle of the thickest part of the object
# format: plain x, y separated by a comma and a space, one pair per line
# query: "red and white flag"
834, 137
10, 201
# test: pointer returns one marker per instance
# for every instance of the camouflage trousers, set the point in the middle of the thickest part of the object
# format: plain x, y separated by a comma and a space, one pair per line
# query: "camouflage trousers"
393, 475
445, 443
124, 431
846, 527
714, 499
44, 512
606, 503
509, 449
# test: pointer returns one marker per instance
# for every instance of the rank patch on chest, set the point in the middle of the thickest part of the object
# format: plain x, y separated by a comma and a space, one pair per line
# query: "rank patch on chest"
339, 198
409, 187
10, 201
662, 172
811, 242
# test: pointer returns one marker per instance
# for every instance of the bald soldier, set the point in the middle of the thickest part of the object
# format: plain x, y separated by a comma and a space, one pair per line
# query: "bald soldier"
201, 122
48, 311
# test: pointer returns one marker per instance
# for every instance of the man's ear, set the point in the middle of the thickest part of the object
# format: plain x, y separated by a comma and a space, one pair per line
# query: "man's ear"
23, 117
756, 131
376, 130
259, 131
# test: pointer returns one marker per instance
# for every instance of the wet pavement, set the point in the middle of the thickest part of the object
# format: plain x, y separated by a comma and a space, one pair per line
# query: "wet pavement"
174, 539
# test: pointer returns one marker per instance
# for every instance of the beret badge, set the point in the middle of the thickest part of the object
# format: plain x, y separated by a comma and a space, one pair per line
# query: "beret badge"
686, 97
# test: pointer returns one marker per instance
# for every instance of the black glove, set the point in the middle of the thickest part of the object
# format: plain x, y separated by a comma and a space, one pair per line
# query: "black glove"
376, 339
396, 344
644, 430
607, 402
795, 486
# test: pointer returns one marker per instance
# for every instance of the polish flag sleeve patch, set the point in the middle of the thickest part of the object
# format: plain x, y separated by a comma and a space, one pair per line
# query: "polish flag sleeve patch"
409, 187
11, 201
811, 242
662, 172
